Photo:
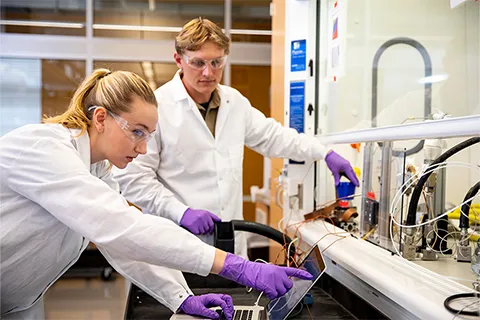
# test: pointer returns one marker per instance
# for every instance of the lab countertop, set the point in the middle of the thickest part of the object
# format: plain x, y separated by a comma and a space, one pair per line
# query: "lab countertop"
142, 306
403, 289
451, 268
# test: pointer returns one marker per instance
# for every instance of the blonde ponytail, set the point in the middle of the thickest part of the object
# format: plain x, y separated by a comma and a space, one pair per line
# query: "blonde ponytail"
112, 90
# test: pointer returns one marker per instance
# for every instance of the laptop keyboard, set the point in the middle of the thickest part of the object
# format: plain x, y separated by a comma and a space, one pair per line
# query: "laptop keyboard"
237, 315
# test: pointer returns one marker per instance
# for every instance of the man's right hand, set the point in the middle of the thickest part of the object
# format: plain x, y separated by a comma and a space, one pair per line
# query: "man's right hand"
199, 221
339, 166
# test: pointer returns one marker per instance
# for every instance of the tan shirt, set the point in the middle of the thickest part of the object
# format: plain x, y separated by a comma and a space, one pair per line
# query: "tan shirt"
210, 114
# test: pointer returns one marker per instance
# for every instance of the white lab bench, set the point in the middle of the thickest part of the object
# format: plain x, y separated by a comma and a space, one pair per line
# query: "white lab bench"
399, 288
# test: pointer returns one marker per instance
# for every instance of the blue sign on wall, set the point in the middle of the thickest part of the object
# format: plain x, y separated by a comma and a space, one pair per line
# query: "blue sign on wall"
297, 108
298, 55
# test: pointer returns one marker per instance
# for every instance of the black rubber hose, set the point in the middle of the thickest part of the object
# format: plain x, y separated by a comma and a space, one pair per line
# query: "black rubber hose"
266, 231
464, 221
417, 191
457, 296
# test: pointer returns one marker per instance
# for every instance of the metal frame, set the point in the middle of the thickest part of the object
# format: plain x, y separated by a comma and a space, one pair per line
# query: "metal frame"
90, 48
113, 49
228, 26
384, 207
89, 36
125, 27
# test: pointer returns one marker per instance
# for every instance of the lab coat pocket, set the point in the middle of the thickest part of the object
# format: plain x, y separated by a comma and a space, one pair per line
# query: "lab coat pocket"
180, 160
236, 161
193, 161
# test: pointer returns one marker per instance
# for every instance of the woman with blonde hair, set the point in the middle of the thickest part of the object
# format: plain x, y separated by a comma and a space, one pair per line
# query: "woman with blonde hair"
57, 194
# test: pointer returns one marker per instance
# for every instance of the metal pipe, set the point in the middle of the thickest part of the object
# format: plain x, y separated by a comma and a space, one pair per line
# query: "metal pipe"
439, 208
428, 85
366, 186
404, 167
384, 207
464, 251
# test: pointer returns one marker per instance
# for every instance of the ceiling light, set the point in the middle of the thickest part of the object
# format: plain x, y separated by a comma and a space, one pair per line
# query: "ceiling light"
44, 24
127, 27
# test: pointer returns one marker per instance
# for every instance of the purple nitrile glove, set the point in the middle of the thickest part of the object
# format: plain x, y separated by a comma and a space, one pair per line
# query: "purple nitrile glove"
199, 221
198, 305
269, 278
339, 165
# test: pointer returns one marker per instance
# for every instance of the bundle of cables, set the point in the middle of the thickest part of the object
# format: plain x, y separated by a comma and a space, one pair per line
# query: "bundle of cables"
460, 303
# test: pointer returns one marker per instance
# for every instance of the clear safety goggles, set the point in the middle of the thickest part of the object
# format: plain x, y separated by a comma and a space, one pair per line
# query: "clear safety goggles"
201, 64
135, 133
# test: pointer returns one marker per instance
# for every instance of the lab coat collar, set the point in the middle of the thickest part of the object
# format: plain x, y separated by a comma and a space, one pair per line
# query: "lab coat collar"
223, 111
82, 144
180, 93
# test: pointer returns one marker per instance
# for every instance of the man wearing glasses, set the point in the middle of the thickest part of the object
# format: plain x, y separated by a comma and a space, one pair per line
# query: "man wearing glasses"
192, 172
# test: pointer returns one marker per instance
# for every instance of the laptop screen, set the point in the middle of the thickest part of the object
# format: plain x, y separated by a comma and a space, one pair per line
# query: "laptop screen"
280, 308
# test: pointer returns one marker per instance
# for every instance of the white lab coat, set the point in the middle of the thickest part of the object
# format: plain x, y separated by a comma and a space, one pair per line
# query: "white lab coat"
185, 166
53, 201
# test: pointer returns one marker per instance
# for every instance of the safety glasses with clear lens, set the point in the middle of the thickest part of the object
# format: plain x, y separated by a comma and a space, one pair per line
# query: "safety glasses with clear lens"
135, 133
201, 64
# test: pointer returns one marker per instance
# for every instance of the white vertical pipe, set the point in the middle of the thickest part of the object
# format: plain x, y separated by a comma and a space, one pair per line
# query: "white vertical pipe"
227, 27
89, 37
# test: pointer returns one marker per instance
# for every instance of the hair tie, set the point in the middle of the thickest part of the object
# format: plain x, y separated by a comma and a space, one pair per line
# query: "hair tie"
106, 74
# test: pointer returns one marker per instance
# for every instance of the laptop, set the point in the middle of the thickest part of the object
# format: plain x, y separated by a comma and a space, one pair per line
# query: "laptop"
282, 307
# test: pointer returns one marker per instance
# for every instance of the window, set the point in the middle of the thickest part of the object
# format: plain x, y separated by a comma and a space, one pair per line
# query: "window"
251, 21
56, 17
151, 20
